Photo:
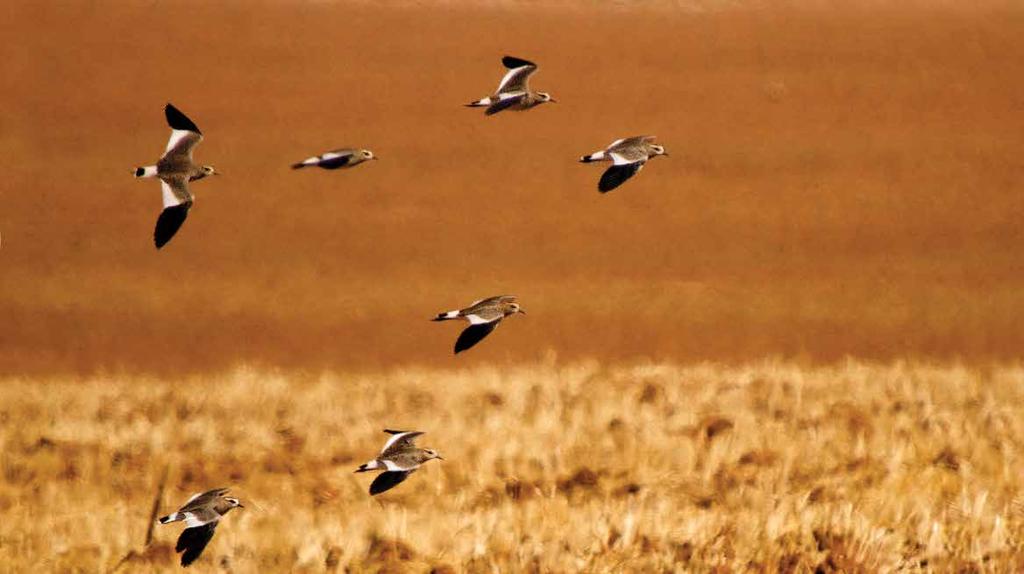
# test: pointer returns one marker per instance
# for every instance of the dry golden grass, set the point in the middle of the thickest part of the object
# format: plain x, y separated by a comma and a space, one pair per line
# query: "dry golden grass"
768, 466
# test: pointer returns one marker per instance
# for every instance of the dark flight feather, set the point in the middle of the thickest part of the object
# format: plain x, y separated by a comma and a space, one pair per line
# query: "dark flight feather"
193, 541
616, 175
178, 120
513, 62
170, 220
387, 480
334, 163
503, 104
472, 335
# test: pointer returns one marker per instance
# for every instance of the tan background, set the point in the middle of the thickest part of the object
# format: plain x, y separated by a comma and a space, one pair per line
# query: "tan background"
843, 180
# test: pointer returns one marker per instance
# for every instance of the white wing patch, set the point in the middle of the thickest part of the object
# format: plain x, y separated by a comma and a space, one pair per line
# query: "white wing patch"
393, 440
170, 197
176, 136
394, 467
170, 200
619, 159
476, 319
191, 520
509, 75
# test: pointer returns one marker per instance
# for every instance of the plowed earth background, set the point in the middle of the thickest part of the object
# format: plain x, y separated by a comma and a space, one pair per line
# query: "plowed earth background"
843, 180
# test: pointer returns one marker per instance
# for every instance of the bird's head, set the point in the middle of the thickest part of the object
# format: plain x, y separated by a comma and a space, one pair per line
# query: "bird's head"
203, 172
431, 454
546, 97
367, 154
514, 308
658, 150
233, 503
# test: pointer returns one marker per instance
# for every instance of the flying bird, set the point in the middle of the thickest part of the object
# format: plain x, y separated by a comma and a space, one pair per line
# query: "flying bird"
201, 514
514, 91
175, 170
628, 156
338, 158
483, 317
399, 458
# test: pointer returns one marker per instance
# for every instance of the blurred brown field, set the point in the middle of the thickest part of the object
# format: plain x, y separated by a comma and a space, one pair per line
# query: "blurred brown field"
844, 180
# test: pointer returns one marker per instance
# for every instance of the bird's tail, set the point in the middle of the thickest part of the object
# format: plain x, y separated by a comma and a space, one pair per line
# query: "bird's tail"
173, 517
448, 315
480, 103
596, 156
148, 171
372, 465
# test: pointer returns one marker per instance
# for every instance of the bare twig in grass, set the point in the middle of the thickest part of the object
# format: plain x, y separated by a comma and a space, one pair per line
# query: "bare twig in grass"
150, 525
155, 509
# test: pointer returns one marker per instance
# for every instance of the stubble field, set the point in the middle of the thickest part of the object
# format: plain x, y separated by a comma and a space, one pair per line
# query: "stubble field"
762, 467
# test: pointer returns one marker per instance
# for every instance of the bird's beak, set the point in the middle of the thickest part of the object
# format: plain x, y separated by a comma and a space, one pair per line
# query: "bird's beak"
553, 101
665, 154
240, 505
521, 312
439, 457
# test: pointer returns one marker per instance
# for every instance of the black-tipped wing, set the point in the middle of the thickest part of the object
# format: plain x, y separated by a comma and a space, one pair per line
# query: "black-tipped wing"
193, 541
401, 441
202, 499
511, 62
335, 162
178, 120
626, 143
504, 103
490, 301
518, 75
472, 335
329, 160
185, 136
169, 223
616, 175
387, 480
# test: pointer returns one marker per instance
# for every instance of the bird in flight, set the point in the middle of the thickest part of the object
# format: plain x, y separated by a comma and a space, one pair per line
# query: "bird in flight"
338, 158
399, 458
175, 170
201, 514
628, 156
514, 91
483, 317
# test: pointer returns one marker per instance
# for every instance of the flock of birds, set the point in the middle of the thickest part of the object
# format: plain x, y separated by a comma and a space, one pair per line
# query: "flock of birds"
176, 169
400, 456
